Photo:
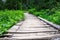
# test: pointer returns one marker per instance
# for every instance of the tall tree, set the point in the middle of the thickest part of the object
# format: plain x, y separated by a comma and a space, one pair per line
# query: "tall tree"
12, 4
1, 5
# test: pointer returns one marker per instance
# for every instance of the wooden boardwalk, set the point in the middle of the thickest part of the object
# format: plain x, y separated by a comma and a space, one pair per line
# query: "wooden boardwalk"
31, 28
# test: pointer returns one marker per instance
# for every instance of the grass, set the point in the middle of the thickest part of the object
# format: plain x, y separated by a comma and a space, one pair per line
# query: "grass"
52, 15
9, 18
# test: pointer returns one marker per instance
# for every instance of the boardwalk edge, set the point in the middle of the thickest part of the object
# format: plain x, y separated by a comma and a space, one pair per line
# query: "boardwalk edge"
50, 23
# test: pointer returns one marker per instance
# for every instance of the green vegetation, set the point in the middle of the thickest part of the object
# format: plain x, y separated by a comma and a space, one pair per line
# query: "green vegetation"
48, 9
8, 18
28, 4
12, 4
52, 15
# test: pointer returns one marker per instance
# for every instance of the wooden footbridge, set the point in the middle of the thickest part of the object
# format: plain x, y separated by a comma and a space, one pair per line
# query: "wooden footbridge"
32, 28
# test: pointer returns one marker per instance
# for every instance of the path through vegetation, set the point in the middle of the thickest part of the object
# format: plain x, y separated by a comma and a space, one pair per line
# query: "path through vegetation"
32, 28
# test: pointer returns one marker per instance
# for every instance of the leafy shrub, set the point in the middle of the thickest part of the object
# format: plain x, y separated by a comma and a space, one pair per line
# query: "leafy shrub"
9, 18
50, 12
32, 10
1, 5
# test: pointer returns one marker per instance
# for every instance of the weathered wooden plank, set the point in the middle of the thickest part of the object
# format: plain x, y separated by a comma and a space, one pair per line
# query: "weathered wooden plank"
8, 34
37, 37
7, 39
22, 32
36, 29
25, 37
13, 29
31, 34
36, 26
